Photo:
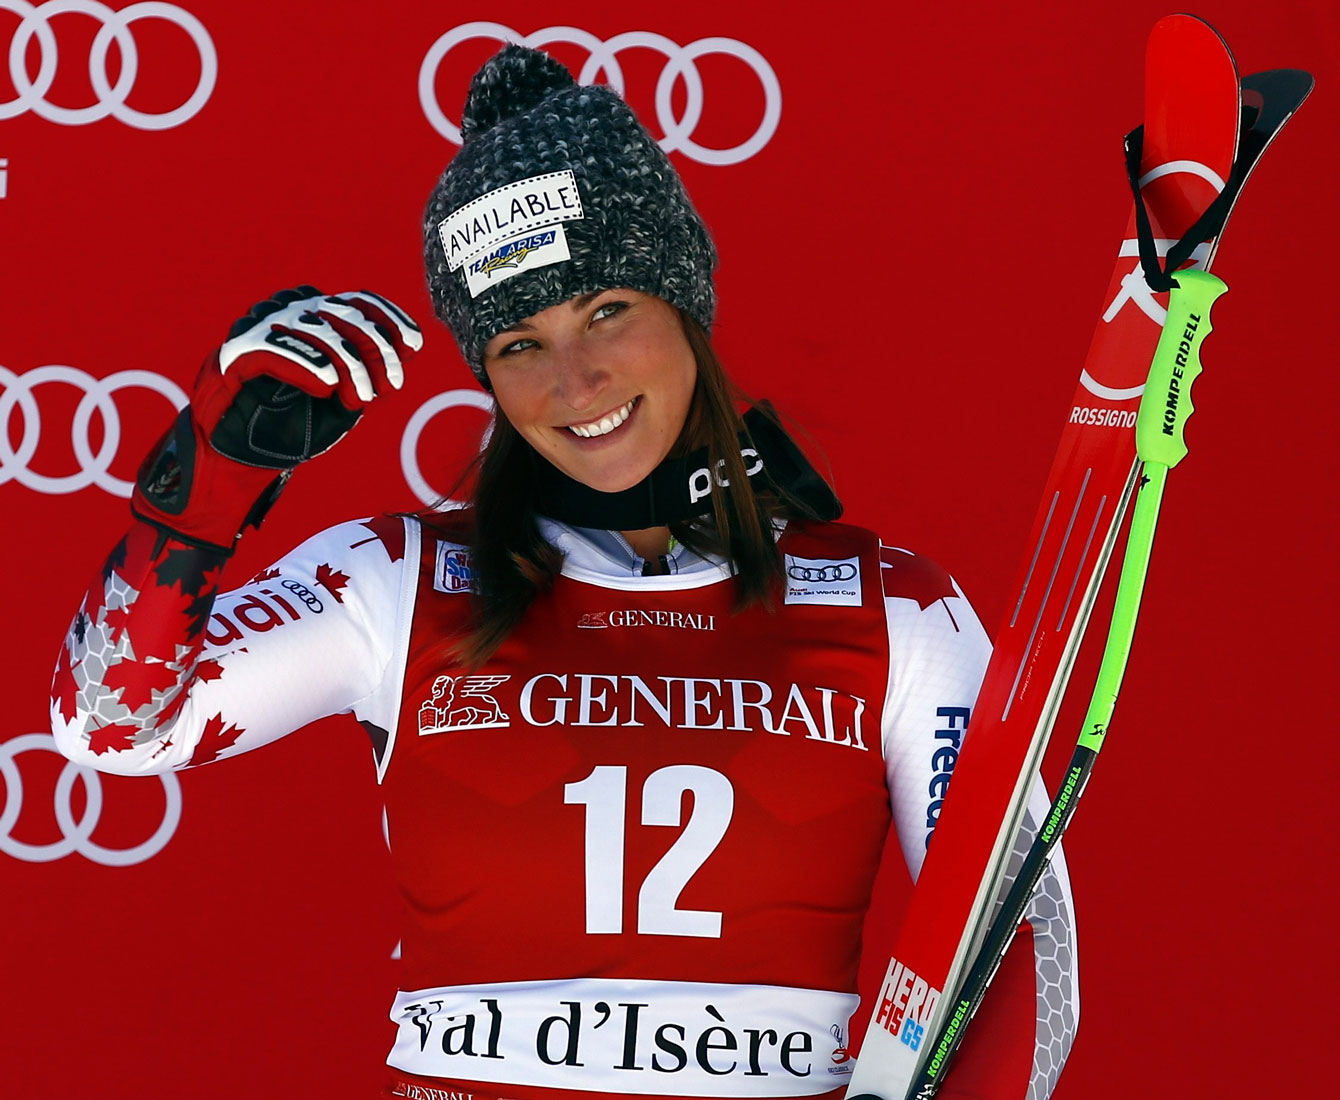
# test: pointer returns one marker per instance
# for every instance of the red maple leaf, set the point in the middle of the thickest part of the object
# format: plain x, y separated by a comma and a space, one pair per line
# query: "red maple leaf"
139, 679
157, 620
64, 687
332, 580
208, 669
215, 739
111, 738
914, 578
389, 531
269, 575
116, 621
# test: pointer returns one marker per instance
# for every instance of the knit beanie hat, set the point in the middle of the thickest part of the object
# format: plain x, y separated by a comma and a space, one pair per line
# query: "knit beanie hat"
557, 191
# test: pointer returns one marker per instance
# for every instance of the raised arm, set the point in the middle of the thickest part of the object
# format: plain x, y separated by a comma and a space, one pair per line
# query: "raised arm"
159, 671
152, 674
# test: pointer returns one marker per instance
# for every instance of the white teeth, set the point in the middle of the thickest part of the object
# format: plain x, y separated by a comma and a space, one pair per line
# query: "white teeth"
605, 425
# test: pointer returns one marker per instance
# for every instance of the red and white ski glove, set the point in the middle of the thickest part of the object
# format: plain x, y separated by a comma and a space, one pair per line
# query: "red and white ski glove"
290, 381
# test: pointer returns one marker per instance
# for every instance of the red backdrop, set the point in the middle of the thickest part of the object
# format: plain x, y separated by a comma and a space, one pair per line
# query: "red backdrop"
914, 250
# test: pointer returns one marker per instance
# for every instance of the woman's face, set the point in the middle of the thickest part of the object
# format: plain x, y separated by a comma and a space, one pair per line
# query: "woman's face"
599, 385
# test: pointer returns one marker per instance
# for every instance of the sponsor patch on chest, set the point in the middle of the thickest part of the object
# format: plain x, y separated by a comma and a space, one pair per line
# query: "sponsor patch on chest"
453, 571
834, 582
463, 702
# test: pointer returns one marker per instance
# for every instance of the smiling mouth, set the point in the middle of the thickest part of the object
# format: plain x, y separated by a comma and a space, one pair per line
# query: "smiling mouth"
607, 423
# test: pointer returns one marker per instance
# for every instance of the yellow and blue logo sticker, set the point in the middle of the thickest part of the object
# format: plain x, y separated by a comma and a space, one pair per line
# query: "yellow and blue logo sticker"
524, 253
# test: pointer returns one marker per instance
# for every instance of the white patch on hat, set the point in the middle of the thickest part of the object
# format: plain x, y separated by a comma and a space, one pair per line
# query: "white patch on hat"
515, 256
512, 211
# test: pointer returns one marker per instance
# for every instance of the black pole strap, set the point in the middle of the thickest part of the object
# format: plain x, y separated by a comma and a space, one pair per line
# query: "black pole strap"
1159, 275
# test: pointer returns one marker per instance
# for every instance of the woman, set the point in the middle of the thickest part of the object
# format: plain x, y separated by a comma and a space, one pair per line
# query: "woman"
641, 714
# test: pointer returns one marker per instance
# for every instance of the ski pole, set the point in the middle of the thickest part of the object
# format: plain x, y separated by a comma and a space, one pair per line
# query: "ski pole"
1160, 445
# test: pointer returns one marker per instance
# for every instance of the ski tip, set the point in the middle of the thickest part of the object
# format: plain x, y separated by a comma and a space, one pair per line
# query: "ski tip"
1287, 86
1185, 32
1185, 20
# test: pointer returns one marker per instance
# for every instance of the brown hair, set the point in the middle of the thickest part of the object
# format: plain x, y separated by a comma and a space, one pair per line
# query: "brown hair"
512, 563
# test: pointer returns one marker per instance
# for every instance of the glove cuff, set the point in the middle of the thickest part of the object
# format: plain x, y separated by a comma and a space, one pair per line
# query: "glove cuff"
185, 487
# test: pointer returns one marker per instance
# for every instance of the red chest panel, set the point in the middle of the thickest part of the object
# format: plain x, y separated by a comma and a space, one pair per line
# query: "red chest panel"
640, 784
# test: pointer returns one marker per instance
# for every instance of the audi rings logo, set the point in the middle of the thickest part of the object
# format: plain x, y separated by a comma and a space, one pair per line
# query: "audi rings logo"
35, 22
844, 571
409, 442
76, 836
18, 393
680, 63
305, 594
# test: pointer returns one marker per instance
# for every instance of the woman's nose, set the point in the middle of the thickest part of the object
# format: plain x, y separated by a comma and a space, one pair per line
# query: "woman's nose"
579, 380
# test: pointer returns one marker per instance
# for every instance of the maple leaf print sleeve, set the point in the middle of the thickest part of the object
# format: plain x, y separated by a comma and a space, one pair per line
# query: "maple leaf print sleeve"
159, 670
938, 653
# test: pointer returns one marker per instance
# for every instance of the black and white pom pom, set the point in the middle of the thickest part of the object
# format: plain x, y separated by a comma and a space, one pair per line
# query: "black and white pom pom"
512, 81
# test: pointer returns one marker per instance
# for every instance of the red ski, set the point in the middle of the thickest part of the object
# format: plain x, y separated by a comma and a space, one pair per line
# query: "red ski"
1192, 115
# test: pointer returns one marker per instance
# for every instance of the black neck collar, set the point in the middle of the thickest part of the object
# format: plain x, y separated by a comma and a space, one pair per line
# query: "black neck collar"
681, 488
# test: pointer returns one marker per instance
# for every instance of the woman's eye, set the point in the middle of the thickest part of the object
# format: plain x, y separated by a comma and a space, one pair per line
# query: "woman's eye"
608, 309
515, 346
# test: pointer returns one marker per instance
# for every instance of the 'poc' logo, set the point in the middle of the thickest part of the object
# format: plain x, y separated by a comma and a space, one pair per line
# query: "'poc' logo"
700, 481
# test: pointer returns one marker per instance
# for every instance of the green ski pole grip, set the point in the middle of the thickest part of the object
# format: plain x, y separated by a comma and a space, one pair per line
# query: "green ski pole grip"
1166, 404
1164, 409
